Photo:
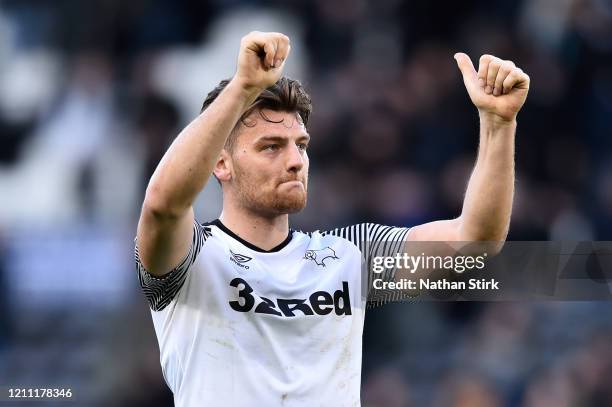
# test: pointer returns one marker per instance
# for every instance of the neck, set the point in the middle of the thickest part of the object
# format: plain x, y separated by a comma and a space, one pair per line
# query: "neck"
263, 232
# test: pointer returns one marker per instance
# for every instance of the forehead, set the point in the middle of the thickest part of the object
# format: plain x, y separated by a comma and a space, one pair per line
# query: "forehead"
269, 122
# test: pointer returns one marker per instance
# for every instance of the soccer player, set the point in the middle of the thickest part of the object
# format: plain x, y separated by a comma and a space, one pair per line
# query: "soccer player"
248, 312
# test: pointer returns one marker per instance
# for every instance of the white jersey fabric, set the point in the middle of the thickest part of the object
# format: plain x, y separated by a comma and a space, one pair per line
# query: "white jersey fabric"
240, 326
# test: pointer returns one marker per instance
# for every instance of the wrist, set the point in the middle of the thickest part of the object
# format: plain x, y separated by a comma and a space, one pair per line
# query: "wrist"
243, 92
495, 120
244, 89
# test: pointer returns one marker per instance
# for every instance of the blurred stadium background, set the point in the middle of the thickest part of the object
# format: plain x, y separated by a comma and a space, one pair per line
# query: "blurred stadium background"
92, 93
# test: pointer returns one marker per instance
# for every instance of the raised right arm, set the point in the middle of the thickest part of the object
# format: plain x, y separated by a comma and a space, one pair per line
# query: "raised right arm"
166, 218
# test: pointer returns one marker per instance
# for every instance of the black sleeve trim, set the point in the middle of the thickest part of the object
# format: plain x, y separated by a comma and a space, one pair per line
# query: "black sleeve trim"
160, 291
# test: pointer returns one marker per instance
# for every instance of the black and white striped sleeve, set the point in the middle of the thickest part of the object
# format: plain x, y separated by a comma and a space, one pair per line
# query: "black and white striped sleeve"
160, 291
373, 239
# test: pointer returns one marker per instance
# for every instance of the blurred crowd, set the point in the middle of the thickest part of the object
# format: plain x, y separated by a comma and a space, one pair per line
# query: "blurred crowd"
92, 93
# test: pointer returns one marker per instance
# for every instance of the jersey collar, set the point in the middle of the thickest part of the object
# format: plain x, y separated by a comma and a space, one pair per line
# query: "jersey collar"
251, 246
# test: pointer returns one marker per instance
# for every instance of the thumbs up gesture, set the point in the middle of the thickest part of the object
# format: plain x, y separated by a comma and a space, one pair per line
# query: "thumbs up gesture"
498, 89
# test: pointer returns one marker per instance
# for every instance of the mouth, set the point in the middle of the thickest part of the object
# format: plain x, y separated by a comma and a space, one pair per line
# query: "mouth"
292, 183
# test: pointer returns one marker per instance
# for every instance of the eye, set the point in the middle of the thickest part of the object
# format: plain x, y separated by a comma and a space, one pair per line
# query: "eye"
271, 147
302, 146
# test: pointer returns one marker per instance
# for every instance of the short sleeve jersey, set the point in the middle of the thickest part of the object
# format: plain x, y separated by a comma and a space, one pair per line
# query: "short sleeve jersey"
240, 326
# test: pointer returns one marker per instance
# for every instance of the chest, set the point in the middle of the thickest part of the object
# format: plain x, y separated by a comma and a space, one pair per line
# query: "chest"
314, 277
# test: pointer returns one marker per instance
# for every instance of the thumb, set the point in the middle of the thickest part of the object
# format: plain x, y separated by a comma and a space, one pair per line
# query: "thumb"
465, 66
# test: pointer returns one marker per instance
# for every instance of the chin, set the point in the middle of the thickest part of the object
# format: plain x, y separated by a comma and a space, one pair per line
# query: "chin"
292, 203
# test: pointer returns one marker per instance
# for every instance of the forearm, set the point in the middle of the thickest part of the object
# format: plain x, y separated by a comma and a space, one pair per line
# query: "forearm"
187, 165
488, 201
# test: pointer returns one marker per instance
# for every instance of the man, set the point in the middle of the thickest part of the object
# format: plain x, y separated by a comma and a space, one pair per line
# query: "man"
249, 312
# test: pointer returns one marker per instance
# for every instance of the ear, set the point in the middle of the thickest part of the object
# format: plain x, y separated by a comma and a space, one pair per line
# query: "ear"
223, 167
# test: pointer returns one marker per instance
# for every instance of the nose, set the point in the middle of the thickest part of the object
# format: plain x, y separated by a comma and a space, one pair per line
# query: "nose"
295, 159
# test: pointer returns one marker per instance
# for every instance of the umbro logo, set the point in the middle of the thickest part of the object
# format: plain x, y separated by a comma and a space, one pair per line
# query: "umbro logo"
240, 259
319, 256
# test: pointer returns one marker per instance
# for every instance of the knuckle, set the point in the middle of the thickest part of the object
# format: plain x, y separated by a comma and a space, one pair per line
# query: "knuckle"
485, 57
249, 37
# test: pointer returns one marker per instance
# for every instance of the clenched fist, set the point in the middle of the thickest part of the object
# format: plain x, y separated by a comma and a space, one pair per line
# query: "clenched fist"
261, 59
498, 89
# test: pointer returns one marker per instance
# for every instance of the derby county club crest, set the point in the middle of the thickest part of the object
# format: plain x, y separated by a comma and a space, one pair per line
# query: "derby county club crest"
319, 256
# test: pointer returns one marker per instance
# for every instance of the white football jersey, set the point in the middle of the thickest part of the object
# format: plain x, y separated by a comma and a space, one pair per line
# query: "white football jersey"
241, 326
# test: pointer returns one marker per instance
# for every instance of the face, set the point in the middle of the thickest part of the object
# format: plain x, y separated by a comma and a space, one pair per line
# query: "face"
267, 171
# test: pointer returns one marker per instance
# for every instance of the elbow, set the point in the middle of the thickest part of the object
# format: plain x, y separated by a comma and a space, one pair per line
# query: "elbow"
160, 206
489, 239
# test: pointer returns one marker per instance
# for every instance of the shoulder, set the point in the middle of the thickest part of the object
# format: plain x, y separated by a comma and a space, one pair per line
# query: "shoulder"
361, 232
352, 235
365, 236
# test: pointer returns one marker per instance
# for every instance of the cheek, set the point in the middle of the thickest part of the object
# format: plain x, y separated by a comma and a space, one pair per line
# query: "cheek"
259, 175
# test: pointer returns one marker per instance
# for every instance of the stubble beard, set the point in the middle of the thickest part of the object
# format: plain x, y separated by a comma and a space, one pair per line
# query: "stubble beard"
266, 200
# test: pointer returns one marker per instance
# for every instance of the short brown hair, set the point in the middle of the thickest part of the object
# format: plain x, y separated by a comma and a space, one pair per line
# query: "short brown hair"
286, 95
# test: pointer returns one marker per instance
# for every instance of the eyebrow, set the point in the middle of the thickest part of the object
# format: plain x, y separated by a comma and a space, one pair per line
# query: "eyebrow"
280, 139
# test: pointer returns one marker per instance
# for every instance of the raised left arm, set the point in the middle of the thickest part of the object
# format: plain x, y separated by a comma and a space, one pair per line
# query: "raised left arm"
498, 90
